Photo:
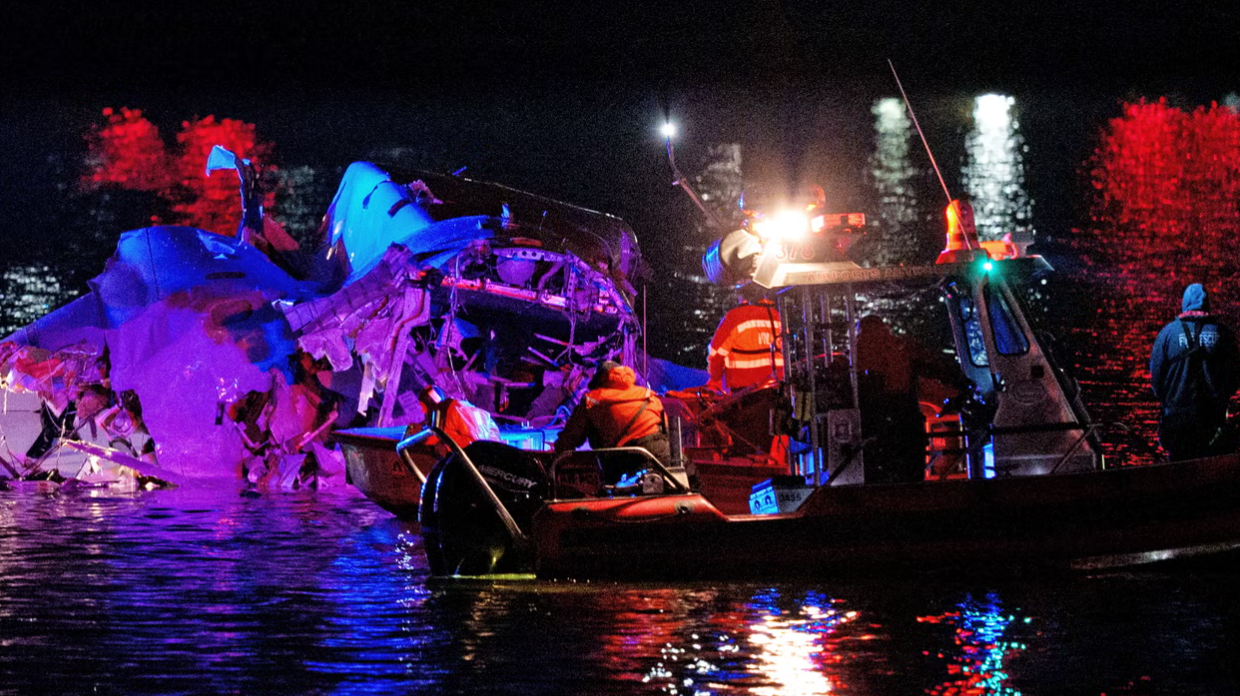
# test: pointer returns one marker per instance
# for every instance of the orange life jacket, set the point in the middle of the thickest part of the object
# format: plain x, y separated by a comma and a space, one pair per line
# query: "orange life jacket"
741, 348
613, 415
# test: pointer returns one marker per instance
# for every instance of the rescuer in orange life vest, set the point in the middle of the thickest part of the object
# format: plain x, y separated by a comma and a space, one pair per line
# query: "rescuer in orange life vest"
617, 413
745, 349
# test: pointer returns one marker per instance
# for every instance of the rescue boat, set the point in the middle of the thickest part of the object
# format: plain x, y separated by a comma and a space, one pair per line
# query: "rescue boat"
1124, 516
1027, 486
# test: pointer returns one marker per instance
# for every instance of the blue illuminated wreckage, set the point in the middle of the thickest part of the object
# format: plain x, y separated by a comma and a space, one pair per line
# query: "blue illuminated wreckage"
214, 359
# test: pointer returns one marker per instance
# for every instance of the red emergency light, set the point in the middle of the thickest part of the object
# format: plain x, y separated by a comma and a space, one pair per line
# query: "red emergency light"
962, 243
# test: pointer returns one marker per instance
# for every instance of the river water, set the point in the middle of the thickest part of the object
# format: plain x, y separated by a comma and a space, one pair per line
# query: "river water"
197, 591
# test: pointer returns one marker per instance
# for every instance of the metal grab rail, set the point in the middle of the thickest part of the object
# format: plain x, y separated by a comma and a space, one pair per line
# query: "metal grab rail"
642, 451
1076, 445
1014, 429
1041, 428
413, 440
403, 447
1086, 430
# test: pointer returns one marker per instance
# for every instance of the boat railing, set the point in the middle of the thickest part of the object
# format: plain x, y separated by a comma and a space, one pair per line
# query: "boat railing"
1086, 430
403, 450
957, 430
601, 453
1041, 428
403, 447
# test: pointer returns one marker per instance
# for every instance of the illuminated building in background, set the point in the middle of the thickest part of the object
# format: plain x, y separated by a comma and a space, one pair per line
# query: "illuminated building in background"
893, 176
27, 293
302, 194
994, 172
695, 304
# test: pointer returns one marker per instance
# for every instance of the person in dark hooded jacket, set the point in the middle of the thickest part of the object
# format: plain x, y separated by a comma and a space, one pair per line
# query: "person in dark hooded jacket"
617, 413
1194, 371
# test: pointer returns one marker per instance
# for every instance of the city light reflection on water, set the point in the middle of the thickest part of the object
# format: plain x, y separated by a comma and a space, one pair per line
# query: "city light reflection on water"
893, 175
793, 652
994, 175
977, 666
175, 592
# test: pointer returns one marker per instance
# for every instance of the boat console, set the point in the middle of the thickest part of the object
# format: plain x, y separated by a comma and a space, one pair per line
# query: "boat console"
1019, 414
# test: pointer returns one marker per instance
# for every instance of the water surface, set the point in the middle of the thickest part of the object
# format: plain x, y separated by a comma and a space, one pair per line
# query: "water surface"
197, 592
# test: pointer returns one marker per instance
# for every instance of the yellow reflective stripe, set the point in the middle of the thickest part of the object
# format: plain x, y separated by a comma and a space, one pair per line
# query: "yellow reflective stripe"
756, 325
744, 364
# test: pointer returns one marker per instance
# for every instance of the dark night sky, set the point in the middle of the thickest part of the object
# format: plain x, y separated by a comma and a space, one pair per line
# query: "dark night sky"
320, 46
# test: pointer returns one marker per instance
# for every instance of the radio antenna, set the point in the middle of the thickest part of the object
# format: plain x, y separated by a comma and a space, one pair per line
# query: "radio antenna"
678, 179
909, 106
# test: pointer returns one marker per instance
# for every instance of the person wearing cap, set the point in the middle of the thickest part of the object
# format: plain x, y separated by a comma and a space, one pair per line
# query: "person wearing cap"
745, 348
617, 413
459, 419
1194, 371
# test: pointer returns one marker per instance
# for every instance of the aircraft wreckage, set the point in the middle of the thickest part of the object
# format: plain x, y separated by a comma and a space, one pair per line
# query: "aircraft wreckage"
201, 356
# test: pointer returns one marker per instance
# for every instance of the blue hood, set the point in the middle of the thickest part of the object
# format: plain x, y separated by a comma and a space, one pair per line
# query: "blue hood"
1195, 299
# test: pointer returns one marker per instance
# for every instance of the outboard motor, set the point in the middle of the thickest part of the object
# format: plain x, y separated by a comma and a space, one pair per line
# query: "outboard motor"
462, 531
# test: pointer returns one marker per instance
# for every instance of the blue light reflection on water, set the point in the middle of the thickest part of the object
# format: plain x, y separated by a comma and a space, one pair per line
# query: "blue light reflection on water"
188, 592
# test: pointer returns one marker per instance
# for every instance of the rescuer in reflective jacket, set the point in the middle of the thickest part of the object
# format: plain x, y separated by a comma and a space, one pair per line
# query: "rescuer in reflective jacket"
745, 348
617, 413
1194, 371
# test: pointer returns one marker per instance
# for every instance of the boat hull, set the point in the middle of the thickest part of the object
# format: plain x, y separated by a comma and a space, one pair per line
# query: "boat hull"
1108, 518
728, 484
374, 468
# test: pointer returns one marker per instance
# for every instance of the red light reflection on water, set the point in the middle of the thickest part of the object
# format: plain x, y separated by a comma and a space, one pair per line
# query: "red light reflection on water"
1165, 214
127, 151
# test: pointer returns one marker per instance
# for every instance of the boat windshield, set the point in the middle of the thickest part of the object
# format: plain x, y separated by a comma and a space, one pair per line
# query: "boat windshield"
973, 332
1009, 338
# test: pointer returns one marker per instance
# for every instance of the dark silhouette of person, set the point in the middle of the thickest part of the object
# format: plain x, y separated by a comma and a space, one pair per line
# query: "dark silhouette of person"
888, 368
1194, 371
